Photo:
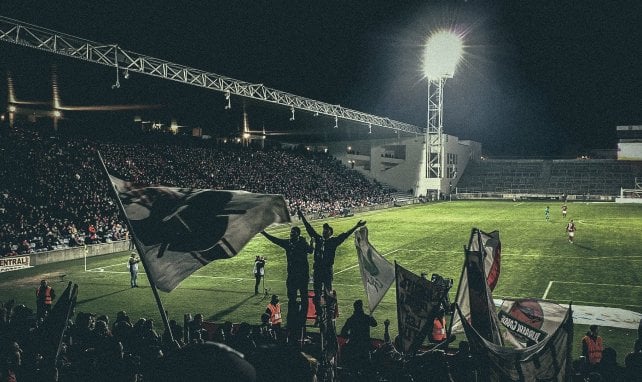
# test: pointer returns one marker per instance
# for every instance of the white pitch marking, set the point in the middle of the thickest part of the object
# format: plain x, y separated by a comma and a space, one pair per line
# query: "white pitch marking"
632, 258
357, 264
423, 250
615, 285
550, 284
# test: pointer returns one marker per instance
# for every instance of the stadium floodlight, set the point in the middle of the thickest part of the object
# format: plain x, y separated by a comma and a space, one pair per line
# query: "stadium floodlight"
292, 111
443, 52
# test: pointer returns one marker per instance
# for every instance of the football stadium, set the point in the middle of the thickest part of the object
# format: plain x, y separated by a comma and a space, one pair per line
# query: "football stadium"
162, 220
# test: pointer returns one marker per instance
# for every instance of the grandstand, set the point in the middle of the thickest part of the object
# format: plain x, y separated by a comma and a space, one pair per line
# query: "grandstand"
578, 179
55, 198
66, 192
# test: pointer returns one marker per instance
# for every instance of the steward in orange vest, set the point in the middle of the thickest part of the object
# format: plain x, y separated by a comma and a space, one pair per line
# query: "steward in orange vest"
592, 346
438, 329
274, 311
44, 297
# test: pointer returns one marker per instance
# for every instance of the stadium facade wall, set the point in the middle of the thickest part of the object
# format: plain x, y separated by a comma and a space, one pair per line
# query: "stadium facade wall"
627, 200
401, 163
629, 145
631, 150
529, 196
75, 253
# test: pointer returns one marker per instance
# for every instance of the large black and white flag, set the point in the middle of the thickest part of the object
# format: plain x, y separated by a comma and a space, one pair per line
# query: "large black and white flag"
179, 230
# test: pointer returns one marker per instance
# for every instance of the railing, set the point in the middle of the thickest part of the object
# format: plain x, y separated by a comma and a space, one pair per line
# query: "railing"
507, 195
74, 253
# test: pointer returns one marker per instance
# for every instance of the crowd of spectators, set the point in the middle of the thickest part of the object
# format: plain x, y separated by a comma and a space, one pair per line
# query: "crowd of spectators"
314, 182
92, 347
55, 193
96, 348
52, 196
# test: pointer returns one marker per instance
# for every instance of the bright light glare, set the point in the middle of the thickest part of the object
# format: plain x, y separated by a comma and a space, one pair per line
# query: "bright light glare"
442, 54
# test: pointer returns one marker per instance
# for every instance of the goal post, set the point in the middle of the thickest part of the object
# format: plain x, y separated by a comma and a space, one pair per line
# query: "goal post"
631, 195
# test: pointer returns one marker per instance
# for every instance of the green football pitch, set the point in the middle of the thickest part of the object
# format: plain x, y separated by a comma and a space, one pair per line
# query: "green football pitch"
603, 268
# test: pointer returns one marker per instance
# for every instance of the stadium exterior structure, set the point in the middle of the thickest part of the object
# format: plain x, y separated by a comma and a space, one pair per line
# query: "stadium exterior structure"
402, 162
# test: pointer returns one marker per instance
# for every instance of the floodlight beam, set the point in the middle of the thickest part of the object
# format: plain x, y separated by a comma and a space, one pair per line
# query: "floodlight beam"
443, 52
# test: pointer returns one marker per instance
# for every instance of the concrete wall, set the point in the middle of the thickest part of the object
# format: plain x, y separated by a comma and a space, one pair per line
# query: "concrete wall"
77, 252
400, 171
463, 151
629, 151
401, 162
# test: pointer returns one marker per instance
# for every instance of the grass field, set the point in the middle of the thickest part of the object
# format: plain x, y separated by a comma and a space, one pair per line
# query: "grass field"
603, 267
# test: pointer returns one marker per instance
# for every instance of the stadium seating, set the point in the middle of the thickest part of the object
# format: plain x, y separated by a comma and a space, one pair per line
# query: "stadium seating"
598, 177
54, 186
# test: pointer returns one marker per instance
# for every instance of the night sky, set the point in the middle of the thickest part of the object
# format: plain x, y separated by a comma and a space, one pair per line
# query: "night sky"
539, 78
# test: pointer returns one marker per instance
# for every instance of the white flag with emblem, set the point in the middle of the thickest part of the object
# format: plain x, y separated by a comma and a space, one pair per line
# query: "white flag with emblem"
377, 273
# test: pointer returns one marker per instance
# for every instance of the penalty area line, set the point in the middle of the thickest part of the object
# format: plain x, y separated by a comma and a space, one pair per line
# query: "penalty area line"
357, 264
550, 284
583, 283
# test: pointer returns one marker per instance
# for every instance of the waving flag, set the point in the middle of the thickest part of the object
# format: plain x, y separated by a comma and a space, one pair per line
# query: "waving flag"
547, 330
530, 320
179, 230
474, 297
377, 273
415, 310
52, 330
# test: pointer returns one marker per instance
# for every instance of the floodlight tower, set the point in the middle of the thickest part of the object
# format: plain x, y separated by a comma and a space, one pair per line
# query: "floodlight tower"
441, 56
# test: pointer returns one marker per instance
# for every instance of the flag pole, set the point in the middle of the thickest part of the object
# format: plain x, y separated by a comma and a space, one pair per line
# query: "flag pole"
461, 278
399, 323
137, 245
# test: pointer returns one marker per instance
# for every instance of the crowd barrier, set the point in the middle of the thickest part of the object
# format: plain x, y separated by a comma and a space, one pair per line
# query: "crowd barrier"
526, 196
74, 253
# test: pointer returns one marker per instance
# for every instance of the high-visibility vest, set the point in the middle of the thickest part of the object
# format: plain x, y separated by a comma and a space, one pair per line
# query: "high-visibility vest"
47, 295
275, 314
439, 330
595, 349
